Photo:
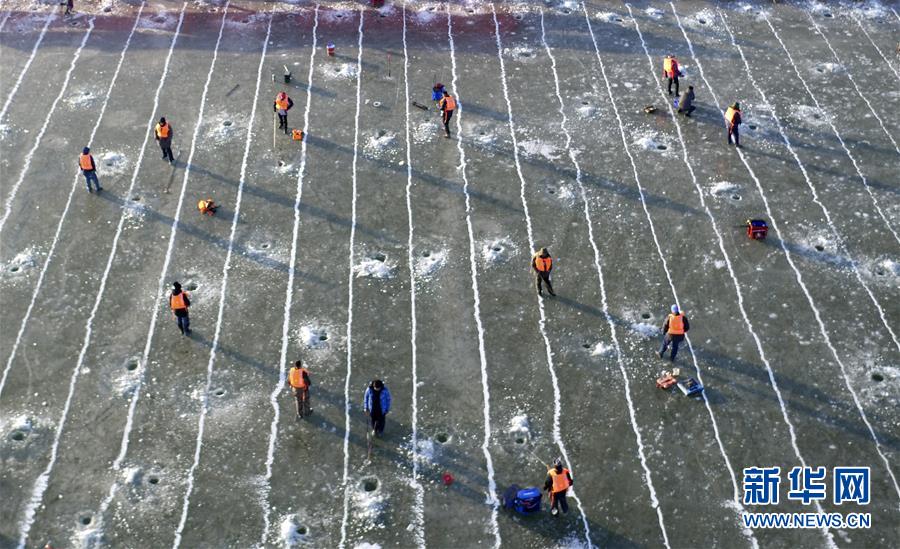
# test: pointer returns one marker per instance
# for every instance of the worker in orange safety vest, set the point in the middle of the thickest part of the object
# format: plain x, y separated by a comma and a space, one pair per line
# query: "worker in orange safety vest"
207, 206
164, 134
298, 378
281, 106
447, 105
179, 301
671, 71
542, 264
558, 481
674, 329
89, 169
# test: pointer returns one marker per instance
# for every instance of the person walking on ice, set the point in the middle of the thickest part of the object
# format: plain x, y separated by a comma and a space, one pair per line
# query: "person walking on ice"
89, 169
671, 71
298, 377
542, 264
281, 106
447, 105
377, 403
164, 135
558, 481
179, 301
675, 327
732, 122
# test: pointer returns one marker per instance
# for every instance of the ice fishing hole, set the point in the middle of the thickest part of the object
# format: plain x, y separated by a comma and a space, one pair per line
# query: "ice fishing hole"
107, 9
380, 14
827, 14
877, 377
820, 247
339, 15
879, 273
302, 529
586, 345
132, 364
14, 269
662, 147
135, 198
524, 54
153, 480
264, 245
219, 392
817, 116
735, 197
370, 484
470, 10
752, 126
645, 315
442, 438
376, 104
226, 123
518, 17
820, 69
323, 337
585, 103
701, 21
497, 248
18, 436
431, 8
191, 286
520, 440
381, 133
481, 132
379, 257
567, 11
281, 163
85, 520
426, 254
551, 190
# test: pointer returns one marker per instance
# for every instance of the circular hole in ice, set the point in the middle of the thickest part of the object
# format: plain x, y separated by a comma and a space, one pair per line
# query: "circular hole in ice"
481, 132
518, 17
470, 10
701, 21
820, 247
430, 8
153, 480
877, 377
281, 163
191, 286
567, 11
751, 126
14, 269
879, 272
645, 315
586, 345
376, 103
160, 19
820, 69
520, 440
300, 528
379, 257
442, 438
617, 19
370, 484
585, 103
381, 133
226, 123
551, 190
135, 198
323, 337
661, 147
827, 14
735, 197
85, 519
219, 392
524, 54
18, 436
339, 15
107, 9
132, 364
426, 254
497, 248
264, 245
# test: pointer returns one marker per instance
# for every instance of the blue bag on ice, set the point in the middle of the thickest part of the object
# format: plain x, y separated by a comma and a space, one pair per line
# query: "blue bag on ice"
528, 500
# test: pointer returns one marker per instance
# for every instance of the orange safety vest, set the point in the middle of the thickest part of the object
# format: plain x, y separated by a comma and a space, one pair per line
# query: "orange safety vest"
560, 480
162, 131
296, 377
281, 101
85, 162
448, 103
676, 324
670, 67
177, 301
204, 205
729, 114
543, 264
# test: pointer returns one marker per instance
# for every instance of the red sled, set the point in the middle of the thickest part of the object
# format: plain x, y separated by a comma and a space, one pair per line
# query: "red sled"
757, 229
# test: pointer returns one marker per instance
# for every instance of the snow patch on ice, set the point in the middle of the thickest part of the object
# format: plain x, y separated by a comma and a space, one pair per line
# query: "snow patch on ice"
335, 15
224, 127
426, 131
289, 532
539, 148
497, 251
722, 188
369, 507
425, 451
655, 13
602, 349
430, 264
809, 115
380, 142
313, 336
81, 99
705, 18
21, 423
522, 53
652, 142
871, 9
827, 68
572, 541
135, 211
564, 193
162, 20
339, 71
644, 329
21, 263
375, 266
112, 163
427, 13
366, 545
609, 17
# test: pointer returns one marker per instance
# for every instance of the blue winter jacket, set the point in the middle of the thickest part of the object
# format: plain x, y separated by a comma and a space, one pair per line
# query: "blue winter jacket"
385, 400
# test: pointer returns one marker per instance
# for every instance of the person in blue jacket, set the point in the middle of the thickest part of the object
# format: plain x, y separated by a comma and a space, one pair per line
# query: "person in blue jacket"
377, 403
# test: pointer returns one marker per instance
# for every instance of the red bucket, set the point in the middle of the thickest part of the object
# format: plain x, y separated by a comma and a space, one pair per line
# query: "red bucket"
330, 49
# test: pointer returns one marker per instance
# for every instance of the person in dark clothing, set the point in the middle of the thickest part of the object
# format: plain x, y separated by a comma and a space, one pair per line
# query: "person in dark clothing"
70, 6
542, 264
164, 133
686, 102
89, 169
377, 403
733, 122
281, 106
447, 106
179, 301
557, 483
675, 327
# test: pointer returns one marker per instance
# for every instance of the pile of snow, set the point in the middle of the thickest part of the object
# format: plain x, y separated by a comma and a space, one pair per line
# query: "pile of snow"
81, 99
376, 266
162, 20
828, 68
250, 19
609, 17
497, 251
313, 336
871, 9
369, 507
520, 425
522, 53
572, 541
564, 193
809, 115
125, 383
88, 537
426, 131
23, 261
645, 329
425, 449
703, 18
29, 23
722, 188
111, 163
386, 10
651, 142
380, 142
284, 168
343, 70
655, 13
135, 211
427, 14
224, 127
288, 534
21, 423
4, 131
602, 349
586, 110
539, 148
427, 265
335, 15
366, 545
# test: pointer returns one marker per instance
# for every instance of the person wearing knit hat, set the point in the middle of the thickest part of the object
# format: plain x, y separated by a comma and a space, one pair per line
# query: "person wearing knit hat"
732, 122
179, 301
675, 327
89, 169
542, 264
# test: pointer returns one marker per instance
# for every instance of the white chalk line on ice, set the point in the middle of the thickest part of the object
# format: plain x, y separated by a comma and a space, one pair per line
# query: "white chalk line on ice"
859, 92
874, 45
37, 288
26, 162
418, 510
720, 240
797, 274
346, 476
5, 19
42, 482
289, 292
40, 281
37, 44
895, 14
557, 406
597, 262
492, 499
837, 134
226, 267
129, 418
